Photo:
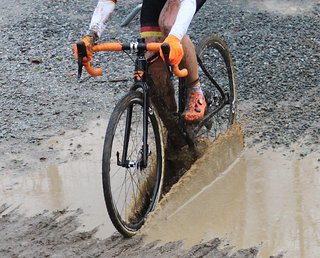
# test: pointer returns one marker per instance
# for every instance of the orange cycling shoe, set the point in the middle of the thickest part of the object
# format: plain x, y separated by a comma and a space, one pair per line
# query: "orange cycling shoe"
196, 105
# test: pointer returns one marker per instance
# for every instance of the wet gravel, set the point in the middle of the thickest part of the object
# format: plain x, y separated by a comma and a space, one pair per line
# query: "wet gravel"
277, 59
55, 235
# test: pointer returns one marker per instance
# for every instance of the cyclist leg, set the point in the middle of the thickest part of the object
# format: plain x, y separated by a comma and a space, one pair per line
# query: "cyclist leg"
157, 19
150, 30
196, 104
166, 21
161, 78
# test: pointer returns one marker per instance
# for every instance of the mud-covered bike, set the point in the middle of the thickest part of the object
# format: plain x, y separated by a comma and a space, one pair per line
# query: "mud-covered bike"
133, 162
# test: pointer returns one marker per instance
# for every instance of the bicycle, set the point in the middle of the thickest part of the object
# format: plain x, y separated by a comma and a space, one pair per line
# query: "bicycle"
133, 162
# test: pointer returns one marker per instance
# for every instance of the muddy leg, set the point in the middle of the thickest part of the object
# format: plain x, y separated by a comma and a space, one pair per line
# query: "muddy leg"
162, 82
166, 21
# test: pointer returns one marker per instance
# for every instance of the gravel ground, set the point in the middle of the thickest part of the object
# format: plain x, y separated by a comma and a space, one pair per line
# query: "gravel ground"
54, 235
277, 58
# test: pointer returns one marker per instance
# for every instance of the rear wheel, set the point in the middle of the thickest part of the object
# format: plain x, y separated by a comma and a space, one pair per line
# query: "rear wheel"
217, 76
131, 190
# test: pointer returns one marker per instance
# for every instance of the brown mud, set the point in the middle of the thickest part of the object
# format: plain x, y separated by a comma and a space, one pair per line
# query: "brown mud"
75, 183
268, 201
232, 205
82, 228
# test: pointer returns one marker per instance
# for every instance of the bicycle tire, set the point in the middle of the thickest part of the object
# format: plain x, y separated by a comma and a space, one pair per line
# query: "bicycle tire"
129, 202
215, 57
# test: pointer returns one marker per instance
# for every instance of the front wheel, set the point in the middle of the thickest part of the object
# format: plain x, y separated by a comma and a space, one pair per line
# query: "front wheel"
131, 187
217, 76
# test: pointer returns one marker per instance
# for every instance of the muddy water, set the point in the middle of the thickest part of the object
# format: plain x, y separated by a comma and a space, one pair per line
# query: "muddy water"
73, 184
270, 201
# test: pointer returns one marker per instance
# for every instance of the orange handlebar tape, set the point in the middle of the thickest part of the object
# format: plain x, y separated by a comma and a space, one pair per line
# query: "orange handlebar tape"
91, 71
153, 46
107, 47
180, 73
119, 47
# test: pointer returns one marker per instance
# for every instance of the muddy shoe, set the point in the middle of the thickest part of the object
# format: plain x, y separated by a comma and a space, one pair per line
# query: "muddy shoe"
196, 105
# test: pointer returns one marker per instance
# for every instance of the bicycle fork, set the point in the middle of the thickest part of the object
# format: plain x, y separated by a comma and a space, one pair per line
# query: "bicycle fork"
140, 82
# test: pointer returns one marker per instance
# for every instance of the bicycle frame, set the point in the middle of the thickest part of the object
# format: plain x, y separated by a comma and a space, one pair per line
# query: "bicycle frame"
140, 82
224, 96
135, 152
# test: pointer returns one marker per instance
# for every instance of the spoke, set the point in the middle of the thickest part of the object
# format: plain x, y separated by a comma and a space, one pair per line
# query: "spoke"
119, 196
117, 171
123, 182
137, 185
134, 195
135, 143
125, 197
128, 199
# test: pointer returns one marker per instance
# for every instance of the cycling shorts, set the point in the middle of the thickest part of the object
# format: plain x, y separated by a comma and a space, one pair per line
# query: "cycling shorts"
150, 13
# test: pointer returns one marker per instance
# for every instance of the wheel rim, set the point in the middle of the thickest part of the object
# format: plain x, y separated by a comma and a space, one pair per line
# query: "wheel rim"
217, 61
132, 191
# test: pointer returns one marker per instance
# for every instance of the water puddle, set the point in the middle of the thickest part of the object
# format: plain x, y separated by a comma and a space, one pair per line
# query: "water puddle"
73, 184
249, 199
77, 183
270, 201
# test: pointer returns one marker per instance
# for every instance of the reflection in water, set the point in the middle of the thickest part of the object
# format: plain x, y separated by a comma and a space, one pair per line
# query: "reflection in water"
260, 200
78, 184
268, 200
71, 185
54, 185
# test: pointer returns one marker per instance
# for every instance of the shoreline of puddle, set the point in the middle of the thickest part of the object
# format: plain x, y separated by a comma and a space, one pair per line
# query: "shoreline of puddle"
267, 199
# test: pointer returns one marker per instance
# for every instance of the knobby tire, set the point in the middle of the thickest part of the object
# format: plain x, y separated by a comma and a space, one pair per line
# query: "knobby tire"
216, 61
131, 193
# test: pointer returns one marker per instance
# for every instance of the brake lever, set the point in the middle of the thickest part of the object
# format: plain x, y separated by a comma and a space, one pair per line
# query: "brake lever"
165, 47
82, 52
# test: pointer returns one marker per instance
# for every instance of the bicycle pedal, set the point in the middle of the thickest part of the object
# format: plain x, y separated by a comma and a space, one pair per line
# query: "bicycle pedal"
208, 124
